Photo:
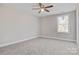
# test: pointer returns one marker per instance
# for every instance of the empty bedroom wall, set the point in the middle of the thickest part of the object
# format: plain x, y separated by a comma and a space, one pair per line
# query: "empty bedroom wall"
16, 23
49, 27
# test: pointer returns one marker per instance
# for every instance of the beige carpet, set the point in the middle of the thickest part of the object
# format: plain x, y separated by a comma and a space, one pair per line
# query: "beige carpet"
41, 46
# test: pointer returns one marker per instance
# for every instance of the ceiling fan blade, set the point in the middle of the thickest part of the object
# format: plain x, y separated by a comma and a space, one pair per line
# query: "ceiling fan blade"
35, 8
49, 6
40, 4
39, 11
47, 10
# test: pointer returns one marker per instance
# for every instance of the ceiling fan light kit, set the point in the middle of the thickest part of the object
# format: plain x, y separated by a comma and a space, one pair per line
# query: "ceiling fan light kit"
42, 9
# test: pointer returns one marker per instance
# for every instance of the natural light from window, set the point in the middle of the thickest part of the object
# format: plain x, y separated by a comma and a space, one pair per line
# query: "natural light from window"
63, 23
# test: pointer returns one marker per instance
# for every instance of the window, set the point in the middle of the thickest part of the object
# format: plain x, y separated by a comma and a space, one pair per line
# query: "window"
63, 23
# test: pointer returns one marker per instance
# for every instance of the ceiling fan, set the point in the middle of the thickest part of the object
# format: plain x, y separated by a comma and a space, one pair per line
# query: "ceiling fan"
42, 8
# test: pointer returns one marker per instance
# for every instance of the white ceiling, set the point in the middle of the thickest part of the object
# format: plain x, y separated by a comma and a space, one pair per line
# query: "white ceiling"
57, 9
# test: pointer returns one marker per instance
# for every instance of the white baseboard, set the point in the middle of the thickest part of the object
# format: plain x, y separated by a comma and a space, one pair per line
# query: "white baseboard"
56, 38
29, 38
32, 37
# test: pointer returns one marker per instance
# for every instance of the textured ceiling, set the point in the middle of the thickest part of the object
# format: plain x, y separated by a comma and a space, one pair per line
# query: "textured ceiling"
57, 9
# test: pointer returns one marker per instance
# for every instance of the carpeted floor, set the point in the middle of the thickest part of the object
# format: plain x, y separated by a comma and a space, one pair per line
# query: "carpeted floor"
41, 46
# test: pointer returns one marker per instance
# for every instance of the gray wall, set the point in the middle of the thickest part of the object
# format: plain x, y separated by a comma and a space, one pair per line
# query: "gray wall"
16, 24
49, 27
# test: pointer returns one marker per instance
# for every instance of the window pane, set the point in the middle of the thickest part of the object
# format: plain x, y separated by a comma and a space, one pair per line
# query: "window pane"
63, 24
